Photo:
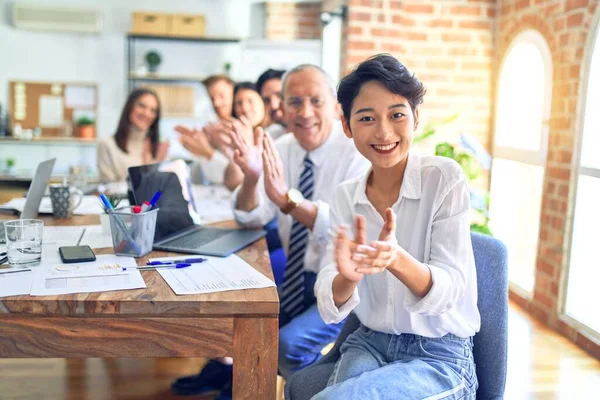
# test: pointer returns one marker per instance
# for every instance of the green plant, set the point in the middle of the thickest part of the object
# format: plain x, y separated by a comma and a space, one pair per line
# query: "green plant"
227, 67
153, 59
84, 120
471, 167
10, 162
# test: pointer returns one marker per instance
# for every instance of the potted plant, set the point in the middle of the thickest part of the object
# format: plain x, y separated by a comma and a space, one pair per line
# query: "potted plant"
86, 128
10, 165
153, 60
472, 158
227, 68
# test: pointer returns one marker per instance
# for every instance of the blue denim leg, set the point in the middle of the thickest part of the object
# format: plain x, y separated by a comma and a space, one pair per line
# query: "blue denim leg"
302, 339
412, 367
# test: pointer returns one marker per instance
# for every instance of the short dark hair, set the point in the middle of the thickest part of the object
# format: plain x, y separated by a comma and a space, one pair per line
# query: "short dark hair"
268, 75
211, 80
382, 68
242, 86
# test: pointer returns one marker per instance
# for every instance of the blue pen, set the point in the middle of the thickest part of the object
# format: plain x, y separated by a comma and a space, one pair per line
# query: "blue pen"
154, 200
128, 237
145, 267
174, 262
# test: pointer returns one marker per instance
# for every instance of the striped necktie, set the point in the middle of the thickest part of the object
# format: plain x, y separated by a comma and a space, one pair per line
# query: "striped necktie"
292, 298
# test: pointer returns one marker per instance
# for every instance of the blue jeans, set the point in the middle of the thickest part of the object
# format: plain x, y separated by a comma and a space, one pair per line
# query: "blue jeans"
376, 365
302, 338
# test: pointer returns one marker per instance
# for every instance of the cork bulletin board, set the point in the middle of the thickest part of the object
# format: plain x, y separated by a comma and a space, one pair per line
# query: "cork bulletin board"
48, 105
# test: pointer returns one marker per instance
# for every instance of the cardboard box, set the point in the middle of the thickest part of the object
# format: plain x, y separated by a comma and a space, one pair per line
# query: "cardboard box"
186, 25
150, 23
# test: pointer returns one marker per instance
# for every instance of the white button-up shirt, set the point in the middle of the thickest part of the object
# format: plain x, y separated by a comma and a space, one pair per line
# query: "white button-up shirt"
335, 161
433, 225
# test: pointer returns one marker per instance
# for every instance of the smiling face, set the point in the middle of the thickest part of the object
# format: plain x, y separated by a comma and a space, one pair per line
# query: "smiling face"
382, 125
248, 103
271, 95
221, 97
144, 111
308, 107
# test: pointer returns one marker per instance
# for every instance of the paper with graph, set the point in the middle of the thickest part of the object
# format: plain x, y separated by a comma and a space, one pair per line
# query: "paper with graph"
104, 274
217, 274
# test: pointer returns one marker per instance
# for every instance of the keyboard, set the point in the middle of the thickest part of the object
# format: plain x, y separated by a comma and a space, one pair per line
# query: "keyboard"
197, 238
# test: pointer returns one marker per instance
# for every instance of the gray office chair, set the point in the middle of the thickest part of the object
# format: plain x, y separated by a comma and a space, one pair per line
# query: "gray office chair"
490, 343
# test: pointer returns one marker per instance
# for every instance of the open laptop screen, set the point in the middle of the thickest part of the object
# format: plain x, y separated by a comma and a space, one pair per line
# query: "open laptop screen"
175, 211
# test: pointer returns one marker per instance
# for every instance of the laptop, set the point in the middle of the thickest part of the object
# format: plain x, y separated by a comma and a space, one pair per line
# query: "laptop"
176, 229
34, 195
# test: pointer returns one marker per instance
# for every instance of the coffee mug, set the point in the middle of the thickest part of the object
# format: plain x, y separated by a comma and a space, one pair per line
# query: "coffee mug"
62, 200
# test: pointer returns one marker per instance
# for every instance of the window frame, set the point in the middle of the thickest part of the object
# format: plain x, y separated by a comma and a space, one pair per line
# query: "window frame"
592, 45
529, 157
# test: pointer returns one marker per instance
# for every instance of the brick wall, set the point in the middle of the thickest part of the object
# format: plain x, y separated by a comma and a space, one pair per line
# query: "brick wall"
448, 44
456, 47
291, 21
566, 26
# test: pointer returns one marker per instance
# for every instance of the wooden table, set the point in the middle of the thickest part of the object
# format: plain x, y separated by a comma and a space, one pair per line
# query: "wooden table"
153, 322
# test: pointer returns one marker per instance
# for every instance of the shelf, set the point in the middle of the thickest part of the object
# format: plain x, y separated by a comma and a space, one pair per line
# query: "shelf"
56, 140
166, 78
137, 36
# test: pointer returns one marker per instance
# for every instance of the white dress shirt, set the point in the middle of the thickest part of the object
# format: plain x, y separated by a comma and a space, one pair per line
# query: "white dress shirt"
276, 131
433, 225
335, 161
213, 169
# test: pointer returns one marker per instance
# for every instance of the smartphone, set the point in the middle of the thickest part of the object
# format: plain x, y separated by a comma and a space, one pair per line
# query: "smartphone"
73, 254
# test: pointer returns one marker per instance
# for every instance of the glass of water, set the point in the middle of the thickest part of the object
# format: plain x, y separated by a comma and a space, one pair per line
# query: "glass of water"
24, 242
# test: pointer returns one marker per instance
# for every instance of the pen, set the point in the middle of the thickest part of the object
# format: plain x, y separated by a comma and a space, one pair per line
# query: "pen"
12, 271
174, 262
128, 237
145, 267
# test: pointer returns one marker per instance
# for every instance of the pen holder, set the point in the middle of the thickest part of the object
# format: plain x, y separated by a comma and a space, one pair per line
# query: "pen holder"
132, 234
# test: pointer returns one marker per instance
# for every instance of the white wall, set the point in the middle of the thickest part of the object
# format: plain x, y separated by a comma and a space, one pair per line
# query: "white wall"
50, 56
101, 58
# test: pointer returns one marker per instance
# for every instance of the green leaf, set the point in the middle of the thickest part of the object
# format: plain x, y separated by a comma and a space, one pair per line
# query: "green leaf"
481, 229
444, 150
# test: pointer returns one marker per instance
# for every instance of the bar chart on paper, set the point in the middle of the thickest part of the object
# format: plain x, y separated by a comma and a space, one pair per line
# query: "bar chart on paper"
215, 275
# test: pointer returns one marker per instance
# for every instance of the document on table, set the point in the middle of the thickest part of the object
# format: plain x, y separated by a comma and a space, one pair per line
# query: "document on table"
213, 203
15, 284
104, 274
217, 274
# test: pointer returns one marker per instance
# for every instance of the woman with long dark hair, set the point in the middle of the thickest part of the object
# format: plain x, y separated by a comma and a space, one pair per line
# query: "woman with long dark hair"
136, 141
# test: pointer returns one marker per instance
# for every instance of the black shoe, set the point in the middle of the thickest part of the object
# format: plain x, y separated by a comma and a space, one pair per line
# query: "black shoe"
226, 394
214, 377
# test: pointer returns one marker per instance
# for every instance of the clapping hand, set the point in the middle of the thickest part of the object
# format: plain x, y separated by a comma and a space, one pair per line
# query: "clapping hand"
196, 142
345, 248
383, 252
247, 150
275, 185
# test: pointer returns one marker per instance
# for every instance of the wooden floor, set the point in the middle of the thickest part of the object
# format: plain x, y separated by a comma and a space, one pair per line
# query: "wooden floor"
542, 365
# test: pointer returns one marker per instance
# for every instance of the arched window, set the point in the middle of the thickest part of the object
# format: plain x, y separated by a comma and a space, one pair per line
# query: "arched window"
583, 295
519, 150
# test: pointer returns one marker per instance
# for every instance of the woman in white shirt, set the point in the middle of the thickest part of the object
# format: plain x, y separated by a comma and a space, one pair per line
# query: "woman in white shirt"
411, 283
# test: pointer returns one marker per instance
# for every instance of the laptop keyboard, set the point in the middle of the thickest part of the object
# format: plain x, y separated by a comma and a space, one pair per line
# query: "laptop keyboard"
197, 238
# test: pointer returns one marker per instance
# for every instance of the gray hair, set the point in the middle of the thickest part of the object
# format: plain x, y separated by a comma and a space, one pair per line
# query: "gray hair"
328, 79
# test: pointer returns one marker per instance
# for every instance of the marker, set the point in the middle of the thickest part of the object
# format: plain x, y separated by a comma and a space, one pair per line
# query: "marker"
146, 267
136, 209
145, 206
174, 262
154, 199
